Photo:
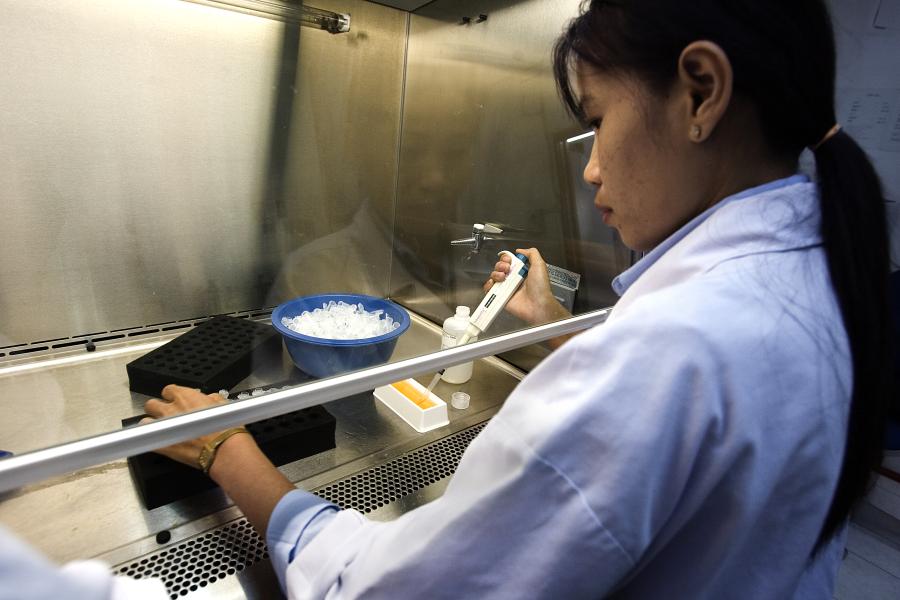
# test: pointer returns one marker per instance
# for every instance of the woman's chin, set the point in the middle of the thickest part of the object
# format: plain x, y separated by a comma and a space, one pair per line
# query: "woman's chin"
631, 242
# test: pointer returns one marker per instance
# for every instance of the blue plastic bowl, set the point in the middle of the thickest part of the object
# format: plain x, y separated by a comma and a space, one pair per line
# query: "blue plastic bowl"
321, 357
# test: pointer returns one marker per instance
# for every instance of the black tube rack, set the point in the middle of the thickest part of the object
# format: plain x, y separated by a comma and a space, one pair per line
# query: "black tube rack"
285, 438
213, 356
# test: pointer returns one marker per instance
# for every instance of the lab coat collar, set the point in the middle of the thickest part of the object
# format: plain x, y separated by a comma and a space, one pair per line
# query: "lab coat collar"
780, 215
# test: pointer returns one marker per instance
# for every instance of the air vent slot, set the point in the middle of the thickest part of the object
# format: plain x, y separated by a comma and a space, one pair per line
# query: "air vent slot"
91, 341
385, 483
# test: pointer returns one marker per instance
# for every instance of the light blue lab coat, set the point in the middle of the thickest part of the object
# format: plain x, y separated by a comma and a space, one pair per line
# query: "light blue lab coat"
26, 575
688, 448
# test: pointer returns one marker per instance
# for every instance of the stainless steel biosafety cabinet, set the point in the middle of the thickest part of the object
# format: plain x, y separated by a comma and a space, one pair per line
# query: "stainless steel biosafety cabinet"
167, 161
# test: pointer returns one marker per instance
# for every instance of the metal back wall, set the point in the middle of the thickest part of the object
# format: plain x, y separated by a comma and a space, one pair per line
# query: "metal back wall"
161, 159
484, 141
335, 222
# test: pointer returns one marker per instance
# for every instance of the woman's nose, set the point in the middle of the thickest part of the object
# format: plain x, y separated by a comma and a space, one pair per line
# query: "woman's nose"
592, 170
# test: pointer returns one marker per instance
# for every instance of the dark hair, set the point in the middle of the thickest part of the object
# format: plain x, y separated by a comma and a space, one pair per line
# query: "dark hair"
782, 54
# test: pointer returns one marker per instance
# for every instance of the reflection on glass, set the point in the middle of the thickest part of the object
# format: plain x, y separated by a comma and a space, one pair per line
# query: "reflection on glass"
292, 184
158, 179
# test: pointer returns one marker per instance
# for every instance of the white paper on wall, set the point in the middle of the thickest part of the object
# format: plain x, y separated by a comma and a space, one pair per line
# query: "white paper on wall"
872, 117
868, 95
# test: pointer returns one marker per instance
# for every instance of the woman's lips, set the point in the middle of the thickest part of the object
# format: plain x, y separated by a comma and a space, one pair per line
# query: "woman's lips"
605, 214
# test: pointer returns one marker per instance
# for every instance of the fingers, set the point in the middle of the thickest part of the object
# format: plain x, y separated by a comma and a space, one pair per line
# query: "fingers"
174, 392
502, 267
168, 392
157, 408
180, 399
189, 397
534, 257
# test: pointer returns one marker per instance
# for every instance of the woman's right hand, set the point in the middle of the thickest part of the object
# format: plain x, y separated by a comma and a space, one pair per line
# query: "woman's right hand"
533, 302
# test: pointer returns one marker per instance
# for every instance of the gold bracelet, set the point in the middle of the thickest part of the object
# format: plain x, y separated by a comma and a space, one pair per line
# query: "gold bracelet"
209, 450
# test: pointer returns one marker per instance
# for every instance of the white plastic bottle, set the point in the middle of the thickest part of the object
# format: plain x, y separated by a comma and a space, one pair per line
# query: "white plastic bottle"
454, 328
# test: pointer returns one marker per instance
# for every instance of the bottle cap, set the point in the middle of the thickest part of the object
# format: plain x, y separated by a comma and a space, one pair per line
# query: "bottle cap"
459, 400
462, 311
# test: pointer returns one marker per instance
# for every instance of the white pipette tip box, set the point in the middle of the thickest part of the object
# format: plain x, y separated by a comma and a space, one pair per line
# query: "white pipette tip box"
422, 416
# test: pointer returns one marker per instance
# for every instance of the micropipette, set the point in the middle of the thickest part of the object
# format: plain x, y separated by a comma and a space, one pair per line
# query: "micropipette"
497, 297
491, 305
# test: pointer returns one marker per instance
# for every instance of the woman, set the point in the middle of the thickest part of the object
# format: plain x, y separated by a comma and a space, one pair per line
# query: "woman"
710, 439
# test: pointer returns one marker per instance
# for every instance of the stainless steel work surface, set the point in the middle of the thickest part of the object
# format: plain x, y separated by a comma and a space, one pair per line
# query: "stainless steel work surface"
97, 511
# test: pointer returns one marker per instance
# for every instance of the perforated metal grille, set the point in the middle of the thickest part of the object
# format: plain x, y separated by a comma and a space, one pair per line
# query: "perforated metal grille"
203, 560
228, 549
372, 489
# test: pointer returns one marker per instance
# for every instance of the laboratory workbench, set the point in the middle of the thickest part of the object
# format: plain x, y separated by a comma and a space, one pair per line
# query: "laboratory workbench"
202, 546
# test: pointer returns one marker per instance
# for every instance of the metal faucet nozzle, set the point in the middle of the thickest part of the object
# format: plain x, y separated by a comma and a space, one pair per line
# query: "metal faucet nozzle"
479, 231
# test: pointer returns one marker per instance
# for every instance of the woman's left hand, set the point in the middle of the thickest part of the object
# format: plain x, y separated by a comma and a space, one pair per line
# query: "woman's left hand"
178, 400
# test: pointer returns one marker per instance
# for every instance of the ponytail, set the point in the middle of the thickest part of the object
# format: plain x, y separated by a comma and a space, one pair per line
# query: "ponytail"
854, 232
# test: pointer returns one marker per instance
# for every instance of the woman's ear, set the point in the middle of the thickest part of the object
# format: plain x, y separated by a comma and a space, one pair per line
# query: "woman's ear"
705, 82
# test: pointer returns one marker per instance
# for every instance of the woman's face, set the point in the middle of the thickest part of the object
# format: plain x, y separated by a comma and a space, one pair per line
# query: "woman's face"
643, 165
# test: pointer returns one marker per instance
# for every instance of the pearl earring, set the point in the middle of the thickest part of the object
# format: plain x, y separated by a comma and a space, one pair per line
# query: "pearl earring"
696, 132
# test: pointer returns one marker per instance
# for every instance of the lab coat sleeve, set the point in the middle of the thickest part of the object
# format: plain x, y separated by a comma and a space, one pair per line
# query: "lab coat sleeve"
297, 518
508, 523
26, 575
95, 574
